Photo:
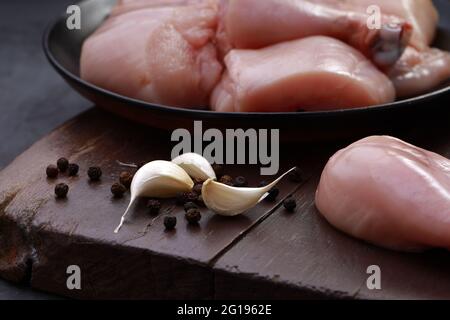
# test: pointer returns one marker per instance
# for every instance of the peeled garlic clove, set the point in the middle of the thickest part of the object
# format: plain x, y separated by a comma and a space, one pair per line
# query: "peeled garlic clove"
196, 166
231, 201
158, 179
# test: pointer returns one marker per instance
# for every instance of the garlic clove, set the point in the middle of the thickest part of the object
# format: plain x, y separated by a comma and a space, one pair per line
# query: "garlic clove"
158, 179
231, 201
196, 166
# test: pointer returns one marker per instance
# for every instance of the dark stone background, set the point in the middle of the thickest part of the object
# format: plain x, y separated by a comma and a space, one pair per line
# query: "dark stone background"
33, 98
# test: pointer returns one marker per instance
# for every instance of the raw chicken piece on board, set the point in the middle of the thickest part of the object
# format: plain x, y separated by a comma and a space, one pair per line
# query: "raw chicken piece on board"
389, 193
419, 71
315, 73
253, 24
161, 55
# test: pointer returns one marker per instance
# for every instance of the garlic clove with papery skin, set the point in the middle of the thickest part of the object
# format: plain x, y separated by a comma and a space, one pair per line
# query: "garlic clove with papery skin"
196, 166
158, 179
232, 201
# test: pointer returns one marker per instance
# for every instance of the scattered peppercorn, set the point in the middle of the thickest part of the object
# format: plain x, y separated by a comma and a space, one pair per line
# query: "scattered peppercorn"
52, 171
272, 194
184, 197
226, 179
240, 182
73, 169
193, 216
296, 175
189, 205
118, 190
61, 190
125, 178
290, 204
62, 164
154, 206
170, 222
198, 188
94, 173
218, 169
191, 197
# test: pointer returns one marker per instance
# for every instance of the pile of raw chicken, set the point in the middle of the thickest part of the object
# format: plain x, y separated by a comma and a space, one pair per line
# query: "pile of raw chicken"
266, 55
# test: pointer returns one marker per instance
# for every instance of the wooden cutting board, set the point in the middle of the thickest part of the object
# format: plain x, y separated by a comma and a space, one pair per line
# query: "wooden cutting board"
267, 253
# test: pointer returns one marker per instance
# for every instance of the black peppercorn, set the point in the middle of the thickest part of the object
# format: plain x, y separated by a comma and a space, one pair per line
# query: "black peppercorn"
290, 204
184, 197
193, 216
94, 173
191, 197
240, 182
296, 175
62, 164
125, 178
73, 169
170, 222
61, 190
198, 188
153, 206
189, 205
118, 190
218, 169
52, 171
226, 180
272, 194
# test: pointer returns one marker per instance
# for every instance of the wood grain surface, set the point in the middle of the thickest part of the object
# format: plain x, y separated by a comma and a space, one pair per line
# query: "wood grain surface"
267, 253
271, 254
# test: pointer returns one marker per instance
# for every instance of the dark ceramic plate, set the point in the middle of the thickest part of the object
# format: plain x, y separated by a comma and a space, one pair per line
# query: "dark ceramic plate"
63, 46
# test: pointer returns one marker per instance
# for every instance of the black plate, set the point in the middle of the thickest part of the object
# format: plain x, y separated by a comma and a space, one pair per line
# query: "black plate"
63, 46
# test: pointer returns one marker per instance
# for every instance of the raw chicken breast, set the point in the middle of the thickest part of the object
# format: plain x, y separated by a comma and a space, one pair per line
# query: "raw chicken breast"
253, 24
389, 193
161, 55
315, 73
421, 14
419, 71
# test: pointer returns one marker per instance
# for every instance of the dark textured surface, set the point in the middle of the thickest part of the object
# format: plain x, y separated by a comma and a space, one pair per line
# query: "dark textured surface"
265, 254
33, 98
